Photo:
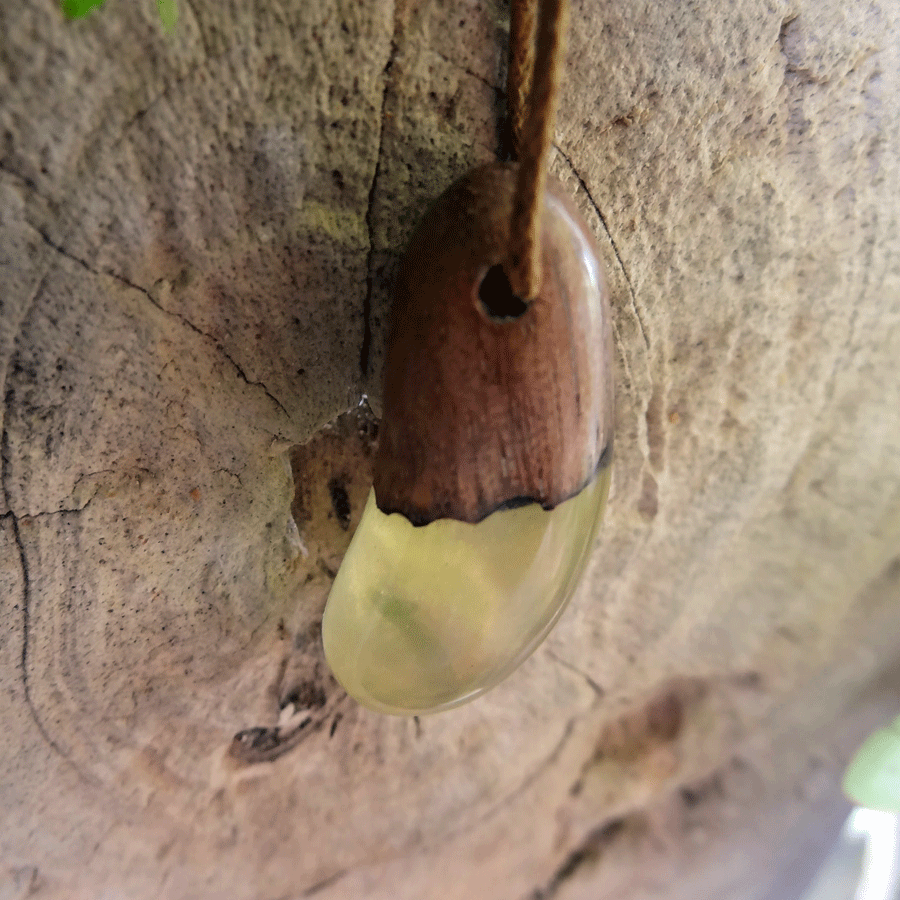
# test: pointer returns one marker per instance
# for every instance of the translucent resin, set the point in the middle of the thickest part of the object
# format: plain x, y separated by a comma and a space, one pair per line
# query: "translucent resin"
422, 619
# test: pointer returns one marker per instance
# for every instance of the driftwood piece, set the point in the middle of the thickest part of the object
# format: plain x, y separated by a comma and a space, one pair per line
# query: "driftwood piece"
196, 237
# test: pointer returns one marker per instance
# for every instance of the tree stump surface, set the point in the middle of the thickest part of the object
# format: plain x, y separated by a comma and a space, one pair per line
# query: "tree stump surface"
197, 238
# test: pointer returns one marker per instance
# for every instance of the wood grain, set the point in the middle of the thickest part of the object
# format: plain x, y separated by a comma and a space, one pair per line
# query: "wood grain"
194, 231
481, 411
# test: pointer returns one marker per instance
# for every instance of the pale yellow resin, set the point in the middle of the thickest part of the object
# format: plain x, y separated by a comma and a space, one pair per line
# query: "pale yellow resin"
422, 619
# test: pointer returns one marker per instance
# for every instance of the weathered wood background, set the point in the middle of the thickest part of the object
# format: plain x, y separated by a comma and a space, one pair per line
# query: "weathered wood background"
196, 235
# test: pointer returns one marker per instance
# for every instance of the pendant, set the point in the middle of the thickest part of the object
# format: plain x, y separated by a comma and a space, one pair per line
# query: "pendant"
493, 465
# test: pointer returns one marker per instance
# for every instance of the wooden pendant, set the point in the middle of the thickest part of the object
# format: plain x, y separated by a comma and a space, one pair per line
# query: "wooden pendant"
489, 401
492, 472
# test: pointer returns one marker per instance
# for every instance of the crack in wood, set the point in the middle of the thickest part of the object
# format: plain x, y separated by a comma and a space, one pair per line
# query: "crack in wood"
527, 782
591, 848
324, 883
366, 345
183, 319
461, 68
24, 179
168, 89
26, 600
602, 218
45, 513
575, 670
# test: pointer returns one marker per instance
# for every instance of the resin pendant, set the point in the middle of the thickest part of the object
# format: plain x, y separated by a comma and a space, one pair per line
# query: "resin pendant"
493, 464
424, 618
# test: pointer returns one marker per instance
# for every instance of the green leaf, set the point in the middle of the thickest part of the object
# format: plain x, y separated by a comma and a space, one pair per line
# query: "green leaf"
168, 12
78, 9
873, 777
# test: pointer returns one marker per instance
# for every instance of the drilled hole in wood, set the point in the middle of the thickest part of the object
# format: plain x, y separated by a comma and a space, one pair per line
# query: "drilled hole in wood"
497, 297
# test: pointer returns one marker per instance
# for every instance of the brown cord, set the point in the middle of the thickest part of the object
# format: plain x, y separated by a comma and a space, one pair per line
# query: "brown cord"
533, 142
522, 15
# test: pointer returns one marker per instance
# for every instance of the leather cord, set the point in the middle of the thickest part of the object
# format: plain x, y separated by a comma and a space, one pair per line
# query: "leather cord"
536, 70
